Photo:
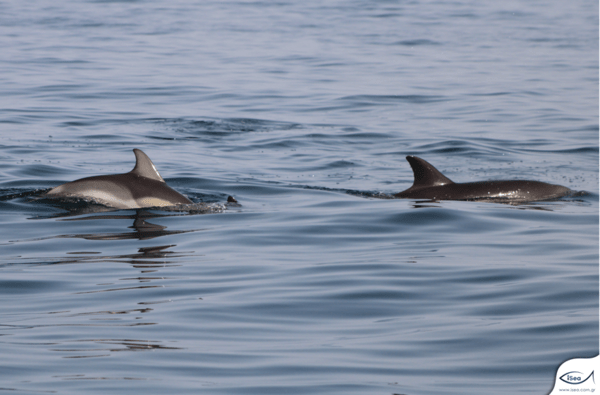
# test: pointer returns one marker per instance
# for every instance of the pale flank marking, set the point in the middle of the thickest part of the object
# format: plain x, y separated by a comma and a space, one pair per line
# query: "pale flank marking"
110, 199
153, 202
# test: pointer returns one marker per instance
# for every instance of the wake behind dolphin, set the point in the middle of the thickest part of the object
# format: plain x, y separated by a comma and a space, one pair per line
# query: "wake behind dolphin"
431, 184
141, 187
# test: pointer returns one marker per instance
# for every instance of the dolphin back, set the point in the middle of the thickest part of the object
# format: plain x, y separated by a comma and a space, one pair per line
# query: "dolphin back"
141, 187
431, 184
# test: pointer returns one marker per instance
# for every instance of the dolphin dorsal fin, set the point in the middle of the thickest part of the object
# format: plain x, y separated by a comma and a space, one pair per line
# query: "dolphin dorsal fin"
425, 174
144, 166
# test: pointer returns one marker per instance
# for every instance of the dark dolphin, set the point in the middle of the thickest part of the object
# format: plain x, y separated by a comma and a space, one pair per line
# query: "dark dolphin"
141, 187
431, 184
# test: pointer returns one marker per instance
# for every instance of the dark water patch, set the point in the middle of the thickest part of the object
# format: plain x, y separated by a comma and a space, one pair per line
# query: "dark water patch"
370, 194
270, 144
101, 137
365, 137
207, 197
513, 13
28, 173
387, 15
115, 119
578, 150
416, 42
339, 164
12, 287
219, 130
62, 87
492, 94
365, 100
586, 128
7, 194
464, 147
226, 126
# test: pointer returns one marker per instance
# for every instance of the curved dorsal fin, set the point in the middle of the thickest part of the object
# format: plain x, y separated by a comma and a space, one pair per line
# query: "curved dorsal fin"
144, 166
425, 174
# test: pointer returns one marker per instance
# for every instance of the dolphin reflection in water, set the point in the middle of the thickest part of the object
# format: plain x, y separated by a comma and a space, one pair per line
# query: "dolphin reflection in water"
430, 184
141, 187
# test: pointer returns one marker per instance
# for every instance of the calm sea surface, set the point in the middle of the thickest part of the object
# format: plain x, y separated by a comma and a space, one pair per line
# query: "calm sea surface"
304, 112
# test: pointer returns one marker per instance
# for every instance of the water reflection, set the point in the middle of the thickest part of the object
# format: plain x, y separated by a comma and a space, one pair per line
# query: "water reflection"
143, 229
550, 205
142, 259
117, 345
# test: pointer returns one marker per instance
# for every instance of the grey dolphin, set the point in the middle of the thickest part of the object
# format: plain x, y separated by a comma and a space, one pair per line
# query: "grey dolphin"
141, 187
431, 184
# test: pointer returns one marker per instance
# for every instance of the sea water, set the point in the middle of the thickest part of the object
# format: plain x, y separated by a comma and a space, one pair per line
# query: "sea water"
304, 112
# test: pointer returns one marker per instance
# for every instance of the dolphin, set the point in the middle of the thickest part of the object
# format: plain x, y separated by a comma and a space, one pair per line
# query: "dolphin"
141, 187
431, 184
